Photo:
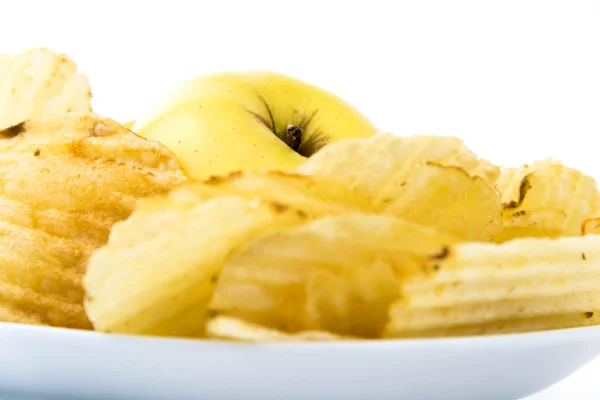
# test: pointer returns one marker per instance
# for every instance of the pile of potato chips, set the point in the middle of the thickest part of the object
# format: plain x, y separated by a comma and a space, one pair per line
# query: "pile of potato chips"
385, 237
66, 176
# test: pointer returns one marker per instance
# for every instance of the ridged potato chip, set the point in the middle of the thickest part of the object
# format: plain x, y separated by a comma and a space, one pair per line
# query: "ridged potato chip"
40, 82
432, 180
337, 274
371, 165
64, 181
469, 314
157, 272
508, 326
487, 287
314, 195
546, 199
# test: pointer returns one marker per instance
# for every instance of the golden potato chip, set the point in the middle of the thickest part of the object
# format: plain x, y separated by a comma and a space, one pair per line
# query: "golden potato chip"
315, 195
94, 164
227, 328
157, 273
509, 326
432, 180
40, 82
546, 199
499, 286
448, 293
336, 274
448, 199
64, 181
590, 226
40, 277
529, 260
468, 314
372, 165
13, 314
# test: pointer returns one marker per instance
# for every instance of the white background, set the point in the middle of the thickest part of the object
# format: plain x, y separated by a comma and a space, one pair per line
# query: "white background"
518, 80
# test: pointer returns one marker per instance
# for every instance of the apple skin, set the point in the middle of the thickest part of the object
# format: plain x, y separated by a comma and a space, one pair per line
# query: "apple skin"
252, 121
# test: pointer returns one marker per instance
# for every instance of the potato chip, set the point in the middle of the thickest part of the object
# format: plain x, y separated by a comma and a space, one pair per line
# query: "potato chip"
451, 292
432, 180
64, 181
500, 286
227, 328
157, 272
448, 199
11, 313
337, 274
370, 165
530, 260
546, 199
423, 319
40, 277
590, 226
40, 82
509, 326
315, 195
93, 161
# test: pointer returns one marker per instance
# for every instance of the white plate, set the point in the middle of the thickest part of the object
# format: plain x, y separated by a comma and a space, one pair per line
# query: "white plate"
89, 365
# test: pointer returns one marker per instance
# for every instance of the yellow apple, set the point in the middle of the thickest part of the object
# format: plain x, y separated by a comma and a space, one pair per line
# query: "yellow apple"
251, 121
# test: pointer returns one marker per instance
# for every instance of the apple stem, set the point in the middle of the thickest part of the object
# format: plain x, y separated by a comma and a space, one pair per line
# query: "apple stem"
293, 136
